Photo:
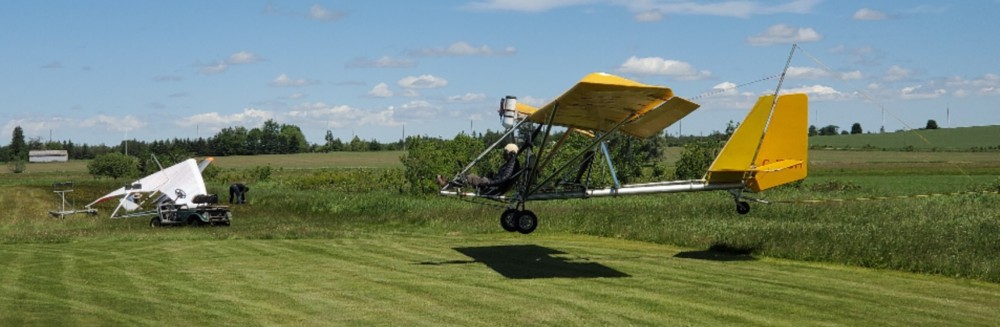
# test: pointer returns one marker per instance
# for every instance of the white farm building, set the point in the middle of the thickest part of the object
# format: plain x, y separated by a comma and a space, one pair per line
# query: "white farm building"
48, 156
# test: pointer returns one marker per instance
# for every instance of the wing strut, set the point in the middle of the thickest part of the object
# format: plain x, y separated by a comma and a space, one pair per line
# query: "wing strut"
598, 140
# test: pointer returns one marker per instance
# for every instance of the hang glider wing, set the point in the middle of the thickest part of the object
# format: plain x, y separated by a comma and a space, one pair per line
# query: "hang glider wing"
600, 102
180, 183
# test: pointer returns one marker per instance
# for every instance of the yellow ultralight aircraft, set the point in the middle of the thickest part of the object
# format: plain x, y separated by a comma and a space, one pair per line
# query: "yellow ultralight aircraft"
768, 148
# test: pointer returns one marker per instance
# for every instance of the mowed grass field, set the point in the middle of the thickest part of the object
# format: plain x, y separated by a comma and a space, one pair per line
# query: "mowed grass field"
329, 257
365, 279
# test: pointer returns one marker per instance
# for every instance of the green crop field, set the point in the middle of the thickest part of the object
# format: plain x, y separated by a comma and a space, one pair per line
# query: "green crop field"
323, 242
948, 139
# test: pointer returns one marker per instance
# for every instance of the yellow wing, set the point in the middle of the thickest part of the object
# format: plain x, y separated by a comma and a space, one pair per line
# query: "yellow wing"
600, 101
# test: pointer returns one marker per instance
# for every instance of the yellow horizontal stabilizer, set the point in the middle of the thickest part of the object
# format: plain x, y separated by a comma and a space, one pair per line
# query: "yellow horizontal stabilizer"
654, 121
778, 166
600, 101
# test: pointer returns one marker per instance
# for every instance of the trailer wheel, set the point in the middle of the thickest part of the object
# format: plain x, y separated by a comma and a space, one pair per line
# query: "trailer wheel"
155, 222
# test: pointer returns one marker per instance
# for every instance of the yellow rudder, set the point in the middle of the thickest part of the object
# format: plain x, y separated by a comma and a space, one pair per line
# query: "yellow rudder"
734, 161
768, 148
783, 155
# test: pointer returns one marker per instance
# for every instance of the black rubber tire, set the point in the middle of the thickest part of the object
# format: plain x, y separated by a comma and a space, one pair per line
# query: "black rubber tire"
742, 207
526, 222
155, 222
508, 220
193, 221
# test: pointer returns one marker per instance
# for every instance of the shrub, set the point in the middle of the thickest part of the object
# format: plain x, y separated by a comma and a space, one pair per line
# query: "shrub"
114, 165
16, 166
695, 159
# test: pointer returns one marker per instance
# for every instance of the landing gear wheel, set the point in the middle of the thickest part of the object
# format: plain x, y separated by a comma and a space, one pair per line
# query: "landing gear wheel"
508, 220
155, 222
526, 222
742, 207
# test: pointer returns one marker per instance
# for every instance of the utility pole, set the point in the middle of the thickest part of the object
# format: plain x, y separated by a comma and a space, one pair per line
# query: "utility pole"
883, 120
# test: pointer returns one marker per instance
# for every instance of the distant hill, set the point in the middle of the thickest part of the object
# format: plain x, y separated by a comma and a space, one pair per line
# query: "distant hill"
977, 138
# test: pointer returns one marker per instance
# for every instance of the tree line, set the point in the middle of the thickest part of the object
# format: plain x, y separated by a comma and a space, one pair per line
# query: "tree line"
270, 138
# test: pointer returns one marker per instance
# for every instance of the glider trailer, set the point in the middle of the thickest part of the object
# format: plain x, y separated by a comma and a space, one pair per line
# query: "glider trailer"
768, 149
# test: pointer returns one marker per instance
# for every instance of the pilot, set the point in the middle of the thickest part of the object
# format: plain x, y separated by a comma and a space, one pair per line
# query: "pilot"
239, 192
496, 183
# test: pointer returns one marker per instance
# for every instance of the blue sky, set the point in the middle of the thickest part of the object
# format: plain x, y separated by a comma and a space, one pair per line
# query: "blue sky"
96, 71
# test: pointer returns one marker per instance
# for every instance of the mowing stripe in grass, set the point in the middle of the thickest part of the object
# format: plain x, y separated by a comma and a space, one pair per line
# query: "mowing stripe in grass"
407, 279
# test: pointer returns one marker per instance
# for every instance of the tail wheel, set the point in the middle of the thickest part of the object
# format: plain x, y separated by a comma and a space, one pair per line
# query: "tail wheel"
508, 220
155, 222
742, 207
526, 222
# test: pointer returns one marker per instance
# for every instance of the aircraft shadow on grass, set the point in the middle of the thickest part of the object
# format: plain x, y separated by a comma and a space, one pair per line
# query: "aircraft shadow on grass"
532, 262
720, 252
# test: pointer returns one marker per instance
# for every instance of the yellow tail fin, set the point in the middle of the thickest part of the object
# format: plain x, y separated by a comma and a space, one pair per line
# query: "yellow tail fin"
769, 148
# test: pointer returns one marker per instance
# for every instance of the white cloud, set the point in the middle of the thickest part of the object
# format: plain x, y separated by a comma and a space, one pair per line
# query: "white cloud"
795, 72
896, 73
662, 67
422, 82
284, 81
418, 110
724, 88
238, 58
805, 73
468, 97
986, 85
410, 93
918, 92
733, 8
464, 49
524, 5
784, 34
248, 117
243, 57
380, 91
383, 62
869, 14
341, 116
213, 68
317, 12
817, 92
852, 75
653, 15
114, 124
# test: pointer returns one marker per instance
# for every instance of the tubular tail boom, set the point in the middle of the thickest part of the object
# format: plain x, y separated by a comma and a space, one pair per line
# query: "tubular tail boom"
769, 148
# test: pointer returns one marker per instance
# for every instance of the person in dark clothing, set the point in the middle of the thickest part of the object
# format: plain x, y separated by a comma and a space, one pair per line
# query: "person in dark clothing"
239, 192
495, 183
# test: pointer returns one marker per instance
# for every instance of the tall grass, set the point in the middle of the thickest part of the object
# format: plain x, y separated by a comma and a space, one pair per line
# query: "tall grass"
948, 235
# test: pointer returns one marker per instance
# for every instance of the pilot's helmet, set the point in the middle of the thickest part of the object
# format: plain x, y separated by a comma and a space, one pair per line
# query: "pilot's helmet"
510, 148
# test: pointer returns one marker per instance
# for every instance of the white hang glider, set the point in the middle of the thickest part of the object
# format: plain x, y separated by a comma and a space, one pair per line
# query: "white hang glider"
768, 149
178, 187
